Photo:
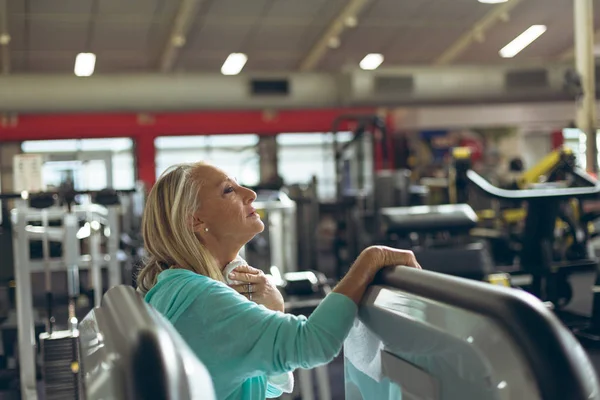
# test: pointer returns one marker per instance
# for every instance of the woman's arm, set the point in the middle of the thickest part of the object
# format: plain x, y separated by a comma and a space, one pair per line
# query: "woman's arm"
366, 266
238, 335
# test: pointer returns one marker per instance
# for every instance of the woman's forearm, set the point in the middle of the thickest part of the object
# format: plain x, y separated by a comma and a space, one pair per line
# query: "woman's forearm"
356, 281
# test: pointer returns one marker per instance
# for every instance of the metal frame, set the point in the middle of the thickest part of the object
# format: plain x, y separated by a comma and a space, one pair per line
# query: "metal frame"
71, 261
475, 339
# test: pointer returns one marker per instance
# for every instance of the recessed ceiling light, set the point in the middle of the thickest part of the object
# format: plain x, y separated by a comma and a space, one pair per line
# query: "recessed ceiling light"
85, 64
522, 41
234, 64
371, 61
492, 1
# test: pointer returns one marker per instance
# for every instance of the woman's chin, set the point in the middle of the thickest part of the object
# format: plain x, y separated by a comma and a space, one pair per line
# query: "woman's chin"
260, 226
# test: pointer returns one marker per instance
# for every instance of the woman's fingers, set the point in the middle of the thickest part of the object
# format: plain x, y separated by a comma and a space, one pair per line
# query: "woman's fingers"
383, 256
245, 288
245, 273
247, 277
246, 269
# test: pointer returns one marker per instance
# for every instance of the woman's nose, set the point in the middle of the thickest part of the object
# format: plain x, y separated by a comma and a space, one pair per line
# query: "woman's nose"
250, 196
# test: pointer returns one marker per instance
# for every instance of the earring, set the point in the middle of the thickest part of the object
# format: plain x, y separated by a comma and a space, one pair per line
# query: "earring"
205, 229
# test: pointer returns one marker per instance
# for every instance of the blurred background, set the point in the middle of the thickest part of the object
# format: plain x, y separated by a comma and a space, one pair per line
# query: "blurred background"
332, 110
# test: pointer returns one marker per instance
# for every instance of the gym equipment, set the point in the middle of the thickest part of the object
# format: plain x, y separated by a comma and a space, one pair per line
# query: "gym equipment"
460, 339
537, 256
129, 351
307, 221
277, 244
355, 202
77, 223
439, 237
60, 351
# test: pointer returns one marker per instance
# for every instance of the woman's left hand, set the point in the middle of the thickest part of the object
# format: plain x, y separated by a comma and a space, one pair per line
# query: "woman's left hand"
257, 287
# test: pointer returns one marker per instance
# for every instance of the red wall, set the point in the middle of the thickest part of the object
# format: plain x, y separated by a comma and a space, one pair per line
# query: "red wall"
144, 128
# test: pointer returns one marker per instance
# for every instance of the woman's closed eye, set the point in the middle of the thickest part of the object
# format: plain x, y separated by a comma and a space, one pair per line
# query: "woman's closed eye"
228, 189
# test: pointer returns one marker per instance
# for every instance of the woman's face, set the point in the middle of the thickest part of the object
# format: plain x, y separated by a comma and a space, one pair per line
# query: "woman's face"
225, 208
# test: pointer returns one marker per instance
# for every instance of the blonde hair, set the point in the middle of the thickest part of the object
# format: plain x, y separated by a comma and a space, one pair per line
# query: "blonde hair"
167, 229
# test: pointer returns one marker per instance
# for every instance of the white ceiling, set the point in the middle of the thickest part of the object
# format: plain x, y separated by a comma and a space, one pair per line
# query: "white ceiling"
130, 35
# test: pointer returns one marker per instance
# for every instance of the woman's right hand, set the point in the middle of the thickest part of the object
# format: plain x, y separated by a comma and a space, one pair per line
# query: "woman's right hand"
366, 266
374, 258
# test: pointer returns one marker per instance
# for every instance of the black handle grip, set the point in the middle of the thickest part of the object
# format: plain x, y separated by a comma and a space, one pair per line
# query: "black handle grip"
530, 194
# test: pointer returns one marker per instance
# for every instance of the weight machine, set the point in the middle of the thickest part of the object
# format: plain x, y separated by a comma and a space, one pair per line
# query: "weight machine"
65, 230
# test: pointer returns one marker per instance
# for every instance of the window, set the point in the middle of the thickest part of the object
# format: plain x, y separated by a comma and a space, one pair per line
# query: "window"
92, 164
304, 155
235, 154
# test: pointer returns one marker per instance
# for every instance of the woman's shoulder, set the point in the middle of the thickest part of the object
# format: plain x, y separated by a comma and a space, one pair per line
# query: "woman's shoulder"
177, 289
184, 279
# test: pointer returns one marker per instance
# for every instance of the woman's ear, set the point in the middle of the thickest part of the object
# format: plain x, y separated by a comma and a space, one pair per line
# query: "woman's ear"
197, 224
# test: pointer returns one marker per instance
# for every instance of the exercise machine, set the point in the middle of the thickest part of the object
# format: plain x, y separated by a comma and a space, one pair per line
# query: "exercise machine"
461, 339
63, 230
129, 351
439, 237
538, 257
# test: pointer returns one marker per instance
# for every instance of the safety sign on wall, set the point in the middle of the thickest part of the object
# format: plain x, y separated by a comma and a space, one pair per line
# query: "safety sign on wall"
27, 173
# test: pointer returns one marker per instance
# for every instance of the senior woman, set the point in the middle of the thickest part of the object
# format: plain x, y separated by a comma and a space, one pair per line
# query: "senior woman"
196, 221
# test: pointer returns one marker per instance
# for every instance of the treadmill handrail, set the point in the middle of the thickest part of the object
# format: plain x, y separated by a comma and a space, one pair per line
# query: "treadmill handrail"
546, 345
530, 194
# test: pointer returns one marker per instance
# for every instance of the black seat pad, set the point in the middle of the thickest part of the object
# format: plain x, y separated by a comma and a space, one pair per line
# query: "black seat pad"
447, 217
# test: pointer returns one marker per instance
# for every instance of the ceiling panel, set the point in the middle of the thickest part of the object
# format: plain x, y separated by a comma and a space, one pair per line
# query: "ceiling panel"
16, 28
138, 7
272, 61
16, 6
305, 9
420, 45
207, 61
111, 36
49, 62
58, 36
268, 38
467, 12
17, 61
531, 12
60, 7
399, 11
276, 34
121, 61
217, 37
318, 26
159, 31
243, 8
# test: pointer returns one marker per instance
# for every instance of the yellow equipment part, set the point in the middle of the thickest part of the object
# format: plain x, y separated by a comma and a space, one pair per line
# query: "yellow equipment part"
543, 168
510, 216
499, 279
461, 152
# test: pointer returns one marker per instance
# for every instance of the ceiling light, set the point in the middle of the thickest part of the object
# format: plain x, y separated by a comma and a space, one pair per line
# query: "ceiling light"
522, 41
234, 64
371, 61
334, 42
84, 64
492, 1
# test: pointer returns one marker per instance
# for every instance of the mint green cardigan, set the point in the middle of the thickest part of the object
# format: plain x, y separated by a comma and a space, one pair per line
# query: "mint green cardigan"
241, 342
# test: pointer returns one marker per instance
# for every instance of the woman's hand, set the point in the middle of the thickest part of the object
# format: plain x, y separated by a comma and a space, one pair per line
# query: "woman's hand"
257, 287
366, 266
374, 258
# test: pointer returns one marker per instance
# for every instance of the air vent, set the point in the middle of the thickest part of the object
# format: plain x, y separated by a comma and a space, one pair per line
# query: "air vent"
536, 78
269, 87
385, 85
